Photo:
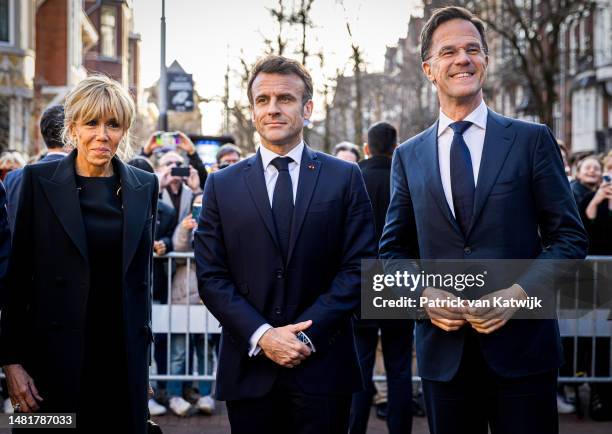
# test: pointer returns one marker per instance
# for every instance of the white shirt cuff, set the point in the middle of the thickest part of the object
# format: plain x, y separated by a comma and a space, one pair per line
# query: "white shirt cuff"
254, 348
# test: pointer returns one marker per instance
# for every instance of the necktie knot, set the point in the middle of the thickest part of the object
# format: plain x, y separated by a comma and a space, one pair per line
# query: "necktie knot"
282, 163
460, 127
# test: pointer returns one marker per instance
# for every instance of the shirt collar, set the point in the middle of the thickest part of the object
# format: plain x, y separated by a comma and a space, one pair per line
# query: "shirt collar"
267, 156
62, 153
478, 117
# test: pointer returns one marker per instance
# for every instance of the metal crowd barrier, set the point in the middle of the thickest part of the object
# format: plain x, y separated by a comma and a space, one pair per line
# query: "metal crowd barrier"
587, 335
586, 332
188, 320
586, 325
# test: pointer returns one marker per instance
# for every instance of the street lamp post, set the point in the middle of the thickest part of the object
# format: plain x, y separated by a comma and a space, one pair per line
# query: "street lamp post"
163, 88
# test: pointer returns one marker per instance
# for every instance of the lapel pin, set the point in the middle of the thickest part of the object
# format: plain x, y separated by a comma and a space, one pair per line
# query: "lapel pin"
311, 166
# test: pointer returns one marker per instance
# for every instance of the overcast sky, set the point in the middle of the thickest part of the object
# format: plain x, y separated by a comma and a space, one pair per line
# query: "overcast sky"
204, 35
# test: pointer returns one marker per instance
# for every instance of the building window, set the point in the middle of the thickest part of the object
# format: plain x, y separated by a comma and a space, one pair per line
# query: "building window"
5, 21
108, 31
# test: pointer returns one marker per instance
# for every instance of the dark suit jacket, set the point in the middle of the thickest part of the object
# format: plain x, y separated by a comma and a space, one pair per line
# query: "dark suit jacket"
599, 229
377, 176
376, 173
13, 187
244, 283
43, 320
164, 230
523, 202
5, 242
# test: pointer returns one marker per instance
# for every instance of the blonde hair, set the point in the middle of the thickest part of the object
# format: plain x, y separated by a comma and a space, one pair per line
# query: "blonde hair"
95, 97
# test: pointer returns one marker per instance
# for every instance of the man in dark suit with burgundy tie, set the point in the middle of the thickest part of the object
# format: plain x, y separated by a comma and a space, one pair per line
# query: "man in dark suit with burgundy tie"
278, 250
478, 186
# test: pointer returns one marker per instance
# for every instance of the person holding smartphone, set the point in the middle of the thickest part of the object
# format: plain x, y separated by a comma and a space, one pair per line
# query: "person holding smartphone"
161, 142
178, 182
185, 291
596, 210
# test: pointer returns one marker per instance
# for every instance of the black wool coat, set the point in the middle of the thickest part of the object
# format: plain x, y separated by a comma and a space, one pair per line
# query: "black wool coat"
43, 321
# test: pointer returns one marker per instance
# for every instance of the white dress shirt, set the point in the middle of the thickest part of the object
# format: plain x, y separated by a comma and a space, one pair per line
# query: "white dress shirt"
271, 172
270, 176
474, 138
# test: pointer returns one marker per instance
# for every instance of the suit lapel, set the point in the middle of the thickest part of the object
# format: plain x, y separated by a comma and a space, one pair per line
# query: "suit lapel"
427, 154
497, 143
63, 197
310, 167
134, 198
256, 184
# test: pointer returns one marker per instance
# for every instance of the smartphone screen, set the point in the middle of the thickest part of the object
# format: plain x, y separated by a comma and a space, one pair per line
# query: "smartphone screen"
195, 211
168, 142
180, 171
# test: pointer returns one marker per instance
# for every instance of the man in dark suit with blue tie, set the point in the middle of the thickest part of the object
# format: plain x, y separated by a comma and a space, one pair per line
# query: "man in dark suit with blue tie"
278, 250
477, 185
51, 125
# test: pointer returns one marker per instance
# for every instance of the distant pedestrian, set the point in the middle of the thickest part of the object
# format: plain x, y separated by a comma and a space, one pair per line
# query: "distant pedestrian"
588, 177
51, 125
347, 151
227, 155
395, 335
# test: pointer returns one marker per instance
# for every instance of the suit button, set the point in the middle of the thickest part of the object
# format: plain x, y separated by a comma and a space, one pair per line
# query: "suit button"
278, 311
279, 274
467, 250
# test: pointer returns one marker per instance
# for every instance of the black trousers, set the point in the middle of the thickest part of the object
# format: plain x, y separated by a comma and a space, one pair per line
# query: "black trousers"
396, 339
288, 410
477, 398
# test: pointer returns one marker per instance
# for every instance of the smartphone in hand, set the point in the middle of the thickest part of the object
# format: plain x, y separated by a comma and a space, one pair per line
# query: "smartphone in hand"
195, 211
180, 171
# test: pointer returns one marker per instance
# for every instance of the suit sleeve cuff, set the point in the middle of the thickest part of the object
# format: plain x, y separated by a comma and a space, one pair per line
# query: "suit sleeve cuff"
254, 348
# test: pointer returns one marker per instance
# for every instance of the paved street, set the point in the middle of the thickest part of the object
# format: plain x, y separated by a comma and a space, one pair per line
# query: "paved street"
218, 424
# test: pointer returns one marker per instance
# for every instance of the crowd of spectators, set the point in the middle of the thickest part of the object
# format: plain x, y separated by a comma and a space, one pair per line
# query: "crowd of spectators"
178, 210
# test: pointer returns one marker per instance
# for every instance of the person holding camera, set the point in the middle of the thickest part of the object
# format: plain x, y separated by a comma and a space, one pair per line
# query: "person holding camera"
185, 291
178, 142
178, 183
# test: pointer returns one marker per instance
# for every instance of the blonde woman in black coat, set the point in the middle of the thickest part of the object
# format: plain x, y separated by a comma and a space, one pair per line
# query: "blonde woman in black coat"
78, 314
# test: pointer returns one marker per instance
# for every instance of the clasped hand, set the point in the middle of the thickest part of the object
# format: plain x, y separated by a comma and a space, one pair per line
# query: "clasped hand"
482, 319
281, 345
21, 389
